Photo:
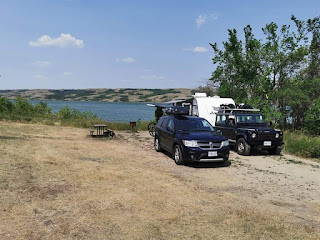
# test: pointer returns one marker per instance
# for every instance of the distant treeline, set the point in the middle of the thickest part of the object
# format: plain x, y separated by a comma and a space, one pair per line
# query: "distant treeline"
111, 95
279, 74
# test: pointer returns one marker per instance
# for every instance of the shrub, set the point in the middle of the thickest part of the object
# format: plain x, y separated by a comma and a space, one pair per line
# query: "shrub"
301, 144
22, 110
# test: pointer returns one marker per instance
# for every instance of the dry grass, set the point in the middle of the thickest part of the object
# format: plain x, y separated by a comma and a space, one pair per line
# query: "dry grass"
55, 182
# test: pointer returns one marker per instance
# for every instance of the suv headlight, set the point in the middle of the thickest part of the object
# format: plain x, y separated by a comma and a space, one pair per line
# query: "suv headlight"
190, 143
253, 135
225, 143
277, 135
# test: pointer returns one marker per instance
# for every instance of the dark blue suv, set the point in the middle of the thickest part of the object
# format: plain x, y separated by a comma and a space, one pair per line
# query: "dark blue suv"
190, 138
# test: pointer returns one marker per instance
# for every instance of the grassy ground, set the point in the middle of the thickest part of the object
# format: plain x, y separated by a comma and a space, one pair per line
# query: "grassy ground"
56, 182
301, 144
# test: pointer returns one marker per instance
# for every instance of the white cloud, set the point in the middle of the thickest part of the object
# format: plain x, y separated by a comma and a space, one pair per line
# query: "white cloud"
67, 73
199, 50
201, 19
42, 64
65, 40
196, 49
40, 77
126, 60
152, 77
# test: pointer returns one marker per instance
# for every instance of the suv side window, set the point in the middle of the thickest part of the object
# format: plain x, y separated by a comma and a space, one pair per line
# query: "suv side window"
221, 120
171, 124
160, 121
165, 123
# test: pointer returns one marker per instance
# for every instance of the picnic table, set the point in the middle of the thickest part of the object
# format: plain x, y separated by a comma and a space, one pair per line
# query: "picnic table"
100, 128
102, 131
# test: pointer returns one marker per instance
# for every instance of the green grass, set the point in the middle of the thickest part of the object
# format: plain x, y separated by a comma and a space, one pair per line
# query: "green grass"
21, 110
301, 144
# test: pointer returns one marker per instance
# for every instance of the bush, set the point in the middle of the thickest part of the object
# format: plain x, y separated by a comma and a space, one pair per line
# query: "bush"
301, 144
312, 119
22, 110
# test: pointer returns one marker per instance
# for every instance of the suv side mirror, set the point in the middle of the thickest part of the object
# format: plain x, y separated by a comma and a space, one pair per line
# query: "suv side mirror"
269, 124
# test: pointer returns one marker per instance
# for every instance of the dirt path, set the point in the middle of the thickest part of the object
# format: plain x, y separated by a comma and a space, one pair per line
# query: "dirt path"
287, 182
56, 182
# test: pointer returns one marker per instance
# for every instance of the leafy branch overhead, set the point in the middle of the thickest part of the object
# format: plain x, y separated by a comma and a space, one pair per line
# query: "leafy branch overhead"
279, 74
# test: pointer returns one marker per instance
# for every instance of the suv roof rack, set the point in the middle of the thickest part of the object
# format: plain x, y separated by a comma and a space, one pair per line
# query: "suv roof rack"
227, 109
176, 110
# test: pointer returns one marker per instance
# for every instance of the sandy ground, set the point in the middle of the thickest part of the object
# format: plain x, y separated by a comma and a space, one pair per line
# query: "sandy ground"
57, 182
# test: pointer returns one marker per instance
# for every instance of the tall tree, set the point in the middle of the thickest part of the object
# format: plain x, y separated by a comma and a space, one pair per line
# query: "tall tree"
268, 72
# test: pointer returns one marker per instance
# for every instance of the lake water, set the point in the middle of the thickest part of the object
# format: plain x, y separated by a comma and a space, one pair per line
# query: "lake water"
112, 112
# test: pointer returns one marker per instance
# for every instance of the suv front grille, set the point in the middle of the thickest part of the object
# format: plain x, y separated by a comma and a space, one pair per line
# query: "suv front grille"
209, 145
266, 137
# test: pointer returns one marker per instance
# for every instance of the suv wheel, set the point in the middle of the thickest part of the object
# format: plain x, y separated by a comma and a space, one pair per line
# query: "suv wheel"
157, 146
242, 147
177, 155
275, 151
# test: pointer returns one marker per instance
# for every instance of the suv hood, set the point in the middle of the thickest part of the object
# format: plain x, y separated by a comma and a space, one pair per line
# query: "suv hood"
201, 136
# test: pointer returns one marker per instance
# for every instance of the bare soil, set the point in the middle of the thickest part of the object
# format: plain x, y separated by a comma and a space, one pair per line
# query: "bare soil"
57, 182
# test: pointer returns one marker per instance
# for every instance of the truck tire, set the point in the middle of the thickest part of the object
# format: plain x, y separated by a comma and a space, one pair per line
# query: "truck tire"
242, 147
275, 151
177, 155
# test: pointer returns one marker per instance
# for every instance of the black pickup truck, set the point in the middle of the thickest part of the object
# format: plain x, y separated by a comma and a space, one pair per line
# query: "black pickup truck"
246, 130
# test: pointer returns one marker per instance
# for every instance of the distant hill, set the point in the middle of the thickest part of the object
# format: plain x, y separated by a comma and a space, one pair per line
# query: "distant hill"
101, 94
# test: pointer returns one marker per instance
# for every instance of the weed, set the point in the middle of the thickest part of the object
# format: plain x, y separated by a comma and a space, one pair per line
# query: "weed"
295, 161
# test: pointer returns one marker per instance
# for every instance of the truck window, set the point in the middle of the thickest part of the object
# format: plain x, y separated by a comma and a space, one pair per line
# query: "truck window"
221, 120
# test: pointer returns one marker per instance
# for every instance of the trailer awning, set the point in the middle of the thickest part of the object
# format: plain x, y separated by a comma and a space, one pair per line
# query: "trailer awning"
166, 104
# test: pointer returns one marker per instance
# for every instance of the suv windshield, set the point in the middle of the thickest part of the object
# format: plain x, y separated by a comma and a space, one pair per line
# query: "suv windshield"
250, 118
193, 124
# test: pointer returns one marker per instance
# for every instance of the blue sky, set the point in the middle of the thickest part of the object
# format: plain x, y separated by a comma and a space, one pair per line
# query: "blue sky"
125, 44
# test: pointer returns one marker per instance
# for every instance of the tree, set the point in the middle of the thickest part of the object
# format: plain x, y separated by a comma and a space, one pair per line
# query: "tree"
279, 74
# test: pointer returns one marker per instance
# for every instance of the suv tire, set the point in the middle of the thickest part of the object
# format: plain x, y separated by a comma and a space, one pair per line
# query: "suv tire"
242, 147
157, 146
177, 155
275, 151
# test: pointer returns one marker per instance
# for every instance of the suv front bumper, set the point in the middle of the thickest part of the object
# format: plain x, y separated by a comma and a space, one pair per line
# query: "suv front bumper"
200, 155
260, 144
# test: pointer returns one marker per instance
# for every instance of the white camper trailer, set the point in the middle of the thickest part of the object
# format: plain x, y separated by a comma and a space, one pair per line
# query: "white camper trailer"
203, 106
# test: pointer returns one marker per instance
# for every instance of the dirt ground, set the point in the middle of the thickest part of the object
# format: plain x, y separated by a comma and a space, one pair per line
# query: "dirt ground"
59, 183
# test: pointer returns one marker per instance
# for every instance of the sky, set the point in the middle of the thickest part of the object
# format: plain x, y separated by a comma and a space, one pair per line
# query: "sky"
76, 44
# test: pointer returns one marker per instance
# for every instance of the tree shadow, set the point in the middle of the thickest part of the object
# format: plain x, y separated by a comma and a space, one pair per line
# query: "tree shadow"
10, 138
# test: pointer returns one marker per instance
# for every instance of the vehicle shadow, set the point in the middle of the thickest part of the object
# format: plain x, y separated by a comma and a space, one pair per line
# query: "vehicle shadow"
257, 152
203, 164
208, 165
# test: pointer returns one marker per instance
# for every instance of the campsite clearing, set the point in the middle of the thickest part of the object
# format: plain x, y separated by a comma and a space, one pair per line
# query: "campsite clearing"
58, 182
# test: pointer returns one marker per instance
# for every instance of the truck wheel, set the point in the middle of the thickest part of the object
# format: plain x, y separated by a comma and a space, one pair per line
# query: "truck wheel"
177, 155
242, 147
157, 146
275, 151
